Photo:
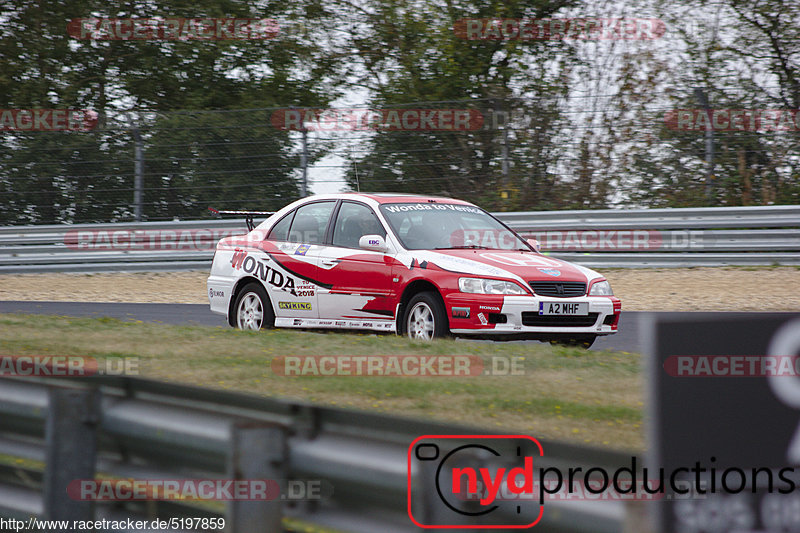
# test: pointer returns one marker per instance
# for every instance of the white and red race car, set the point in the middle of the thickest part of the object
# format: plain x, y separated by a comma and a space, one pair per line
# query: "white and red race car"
420, 266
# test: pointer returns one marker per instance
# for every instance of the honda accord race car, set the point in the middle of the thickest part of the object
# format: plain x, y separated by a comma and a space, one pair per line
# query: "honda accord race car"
420, 266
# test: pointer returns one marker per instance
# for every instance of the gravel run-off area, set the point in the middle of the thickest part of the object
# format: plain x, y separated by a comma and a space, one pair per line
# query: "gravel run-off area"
679, 289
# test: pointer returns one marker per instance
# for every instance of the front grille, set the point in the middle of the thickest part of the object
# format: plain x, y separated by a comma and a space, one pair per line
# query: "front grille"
558, 289
530, 318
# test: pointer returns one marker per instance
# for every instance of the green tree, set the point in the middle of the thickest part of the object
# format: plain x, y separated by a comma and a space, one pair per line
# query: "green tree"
55, 177
409, 52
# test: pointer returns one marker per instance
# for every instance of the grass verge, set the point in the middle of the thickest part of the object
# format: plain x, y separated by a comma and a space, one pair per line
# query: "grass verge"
563, 393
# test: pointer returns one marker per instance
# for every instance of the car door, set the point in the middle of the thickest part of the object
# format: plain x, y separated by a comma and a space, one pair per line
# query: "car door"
361, 286
293, 246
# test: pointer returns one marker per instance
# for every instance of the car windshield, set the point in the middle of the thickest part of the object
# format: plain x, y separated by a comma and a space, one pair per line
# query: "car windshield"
440, 226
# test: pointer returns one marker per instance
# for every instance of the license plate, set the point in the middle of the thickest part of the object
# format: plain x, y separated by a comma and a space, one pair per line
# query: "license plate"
564, 308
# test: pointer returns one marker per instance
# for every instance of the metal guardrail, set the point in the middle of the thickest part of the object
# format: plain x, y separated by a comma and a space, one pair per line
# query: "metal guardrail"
605, 238
123, 427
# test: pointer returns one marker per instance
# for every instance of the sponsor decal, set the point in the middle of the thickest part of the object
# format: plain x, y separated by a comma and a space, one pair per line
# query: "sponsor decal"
460, 312
302, 249
482, 318
550, 271
340, 323
215, 294
582, 29
297, 322
47, 120
403, 208
325, 322
305, 289
238, 258
259, 268
295, 306
489, 308
172, 29
377, 119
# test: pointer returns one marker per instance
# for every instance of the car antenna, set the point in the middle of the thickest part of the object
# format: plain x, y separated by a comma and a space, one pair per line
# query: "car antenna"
355, 166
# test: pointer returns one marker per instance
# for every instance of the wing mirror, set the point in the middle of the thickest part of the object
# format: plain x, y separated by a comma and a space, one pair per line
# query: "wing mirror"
535, 244
376, 243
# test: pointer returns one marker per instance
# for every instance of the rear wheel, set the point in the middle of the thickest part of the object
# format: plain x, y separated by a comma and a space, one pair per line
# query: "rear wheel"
425, 317
253, 310
577, 341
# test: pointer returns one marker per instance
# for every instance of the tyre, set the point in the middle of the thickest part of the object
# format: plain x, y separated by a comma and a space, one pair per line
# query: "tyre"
425, 317
253, 310
577, 341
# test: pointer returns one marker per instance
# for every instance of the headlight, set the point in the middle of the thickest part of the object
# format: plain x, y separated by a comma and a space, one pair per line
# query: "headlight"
489, 286
601, 288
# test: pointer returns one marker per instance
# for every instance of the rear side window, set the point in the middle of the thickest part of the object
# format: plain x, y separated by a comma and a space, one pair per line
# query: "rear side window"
310, 222
280, 231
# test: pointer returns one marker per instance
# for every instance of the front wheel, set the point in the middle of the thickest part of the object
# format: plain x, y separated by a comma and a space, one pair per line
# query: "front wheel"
253, 310
425, 317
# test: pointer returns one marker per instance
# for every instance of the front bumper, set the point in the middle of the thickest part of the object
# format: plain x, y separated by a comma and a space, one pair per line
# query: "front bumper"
515, 315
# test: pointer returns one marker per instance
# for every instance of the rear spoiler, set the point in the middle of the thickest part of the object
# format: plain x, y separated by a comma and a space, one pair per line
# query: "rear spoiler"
248, 215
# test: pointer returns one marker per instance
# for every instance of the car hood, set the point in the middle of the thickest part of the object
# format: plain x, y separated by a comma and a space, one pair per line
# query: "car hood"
514, 264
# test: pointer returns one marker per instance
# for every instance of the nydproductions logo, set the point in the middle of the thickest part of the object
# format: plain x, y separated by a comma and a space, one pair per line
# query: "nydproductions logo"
172, 29
47, 120
594, 29
342, 119
733, 119
467, 474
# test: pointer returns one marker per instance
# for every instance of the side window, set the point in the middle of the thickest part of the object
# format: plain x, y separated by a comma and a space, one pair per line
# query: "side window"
353, 222
310, 221
280, 231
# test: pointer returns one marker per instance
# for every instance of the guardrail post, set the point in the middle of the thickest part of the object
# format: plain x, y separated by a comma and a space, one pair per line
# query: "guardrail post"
257, 452
71, 440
